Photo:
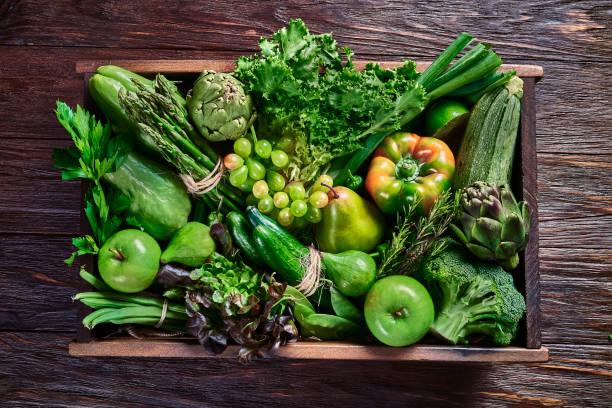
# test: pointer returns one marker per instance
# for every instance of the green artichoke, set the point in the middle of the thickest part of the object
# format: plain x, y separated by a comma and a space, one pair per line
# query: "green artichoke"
492, 225
219, 107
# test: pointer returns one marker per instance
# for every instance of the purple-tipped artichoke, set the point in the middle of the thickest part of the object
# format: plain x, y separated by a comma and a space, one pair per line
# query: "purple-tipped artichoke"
491, 224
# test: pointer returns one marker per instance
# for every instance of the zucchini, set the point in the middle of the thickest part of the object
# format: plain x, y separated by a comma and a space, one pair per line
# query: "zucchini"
241, 232
487, 149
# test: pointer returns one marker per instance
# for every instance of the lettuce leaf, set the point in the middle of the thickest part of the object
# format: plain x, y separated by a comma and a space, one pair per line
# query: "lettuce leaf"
304, 89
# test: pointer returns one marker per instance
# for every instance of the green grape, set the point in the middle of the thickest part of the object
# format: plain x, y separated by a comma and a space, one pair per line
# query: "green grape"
252, 200
314, 214
285, 218
266, 204
276, 181
318, 199
324, 178
281, 199
239, 176
242, 147
274, 213
285, 143
263, 148
279, 158
299, 208
247, 186
257, 171
260, 189
296, 190
299, 223
232, 161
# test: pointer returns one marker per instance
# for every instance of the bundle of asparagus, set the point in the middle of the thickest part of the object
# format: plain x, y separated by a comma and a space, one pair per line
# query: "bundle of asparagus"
165, 120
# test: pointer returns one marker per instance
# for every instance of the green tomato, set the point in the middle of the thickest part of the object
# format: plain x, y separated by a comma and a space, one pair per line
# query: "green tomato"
276, 181
442, 112
285, 218
281, 199
266, 204
296, 190
239, 176
318, 199
314, 215
285, 143
242, 147
128, 261
299, 208
260, 189
279, 158
324, 178
247, 186
233, 161
257, 171
398, 310
263, 148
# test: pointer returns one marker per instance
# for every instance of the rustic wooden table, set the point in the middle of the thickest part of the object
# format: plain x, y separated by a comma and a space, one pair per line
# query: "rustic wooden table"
40, 41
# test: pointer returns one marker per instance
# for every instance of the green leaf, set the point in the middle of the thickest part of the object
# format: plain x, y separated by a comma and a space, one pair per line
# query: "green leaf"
84, 245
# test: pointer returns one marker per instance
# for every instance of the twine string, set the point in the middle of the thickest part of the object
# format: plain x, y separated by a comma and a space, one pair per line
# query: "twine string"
312, 277
208, 183
163, 314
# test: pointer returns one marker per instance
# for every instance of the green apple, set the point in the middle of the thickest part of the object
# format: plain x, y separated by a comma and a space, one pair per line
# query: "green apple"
128, 261
398, 310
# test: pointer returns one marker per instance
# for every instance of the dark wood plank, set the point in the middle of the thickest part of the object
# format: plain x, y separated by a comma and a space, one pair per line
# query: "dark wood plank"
566, 31
312, 350
576, 289
292, 383
529, 192
569, 105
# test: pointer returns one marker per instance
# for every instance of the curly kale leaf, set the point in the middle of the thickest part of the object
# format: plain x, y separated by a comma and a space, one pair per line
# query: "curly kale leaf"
303, 89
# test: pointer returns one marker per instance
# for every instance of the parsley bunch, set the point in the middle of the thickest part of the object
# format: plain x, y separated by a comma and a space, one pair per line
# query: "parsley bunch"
93, 154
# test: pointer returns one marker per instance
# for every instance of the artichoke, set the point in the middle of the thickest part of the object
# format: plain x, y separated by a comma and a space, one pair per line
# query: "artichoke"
492, 225
219, 107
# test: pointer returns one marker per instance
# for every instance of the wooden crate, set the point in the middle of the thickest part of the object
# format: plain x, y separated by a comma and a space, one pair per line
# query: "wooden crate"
527, 346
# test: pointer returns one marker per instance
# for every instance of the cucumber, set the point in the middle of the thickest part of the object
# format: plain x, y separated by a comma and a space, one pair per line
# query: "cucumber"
487, 149
257, 218
241, 232
278, 256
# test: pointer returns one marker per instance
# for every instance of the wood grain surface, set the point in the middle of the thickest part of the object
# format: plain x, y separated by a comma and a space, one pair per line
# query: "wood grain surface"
40, 43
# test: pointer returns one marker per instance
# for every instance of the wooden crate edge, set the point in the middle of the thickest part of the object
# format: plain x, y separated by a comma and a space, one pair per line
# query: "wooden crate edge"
312, 350
226, 65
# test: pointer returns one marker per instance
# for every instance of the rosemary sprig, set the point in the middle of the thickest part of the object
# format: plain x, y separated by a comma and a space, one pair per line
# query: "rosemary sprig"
418, 240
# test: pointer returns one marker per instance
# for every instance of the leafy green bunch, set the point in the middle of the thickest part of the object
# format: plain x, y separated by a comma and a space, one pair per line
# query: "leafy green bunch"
227, 299
93, 154
304, 90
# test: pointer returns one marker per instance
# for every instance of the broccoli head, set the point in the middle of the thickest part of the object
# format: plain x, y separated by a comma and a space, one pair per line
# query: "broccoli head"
471, 297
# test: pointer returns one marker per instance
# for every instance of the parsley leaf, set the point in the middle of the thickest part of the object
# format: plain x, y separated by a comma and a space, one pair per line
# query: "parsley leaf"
84, 245
93, 154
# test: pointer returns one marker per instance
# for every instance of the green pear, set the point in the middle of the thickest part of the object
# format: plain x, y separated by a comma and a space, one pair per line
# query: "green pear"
349, 222
191, 245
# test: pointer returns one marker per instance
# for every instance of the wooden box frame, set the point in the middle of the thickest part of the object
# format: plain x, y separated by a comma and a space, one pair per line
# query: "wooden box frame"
525, 185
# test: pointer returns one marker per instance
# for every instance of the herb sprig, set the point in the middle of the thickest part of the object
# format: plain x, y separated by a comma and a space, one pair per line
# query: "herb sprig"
418, 240
93, 154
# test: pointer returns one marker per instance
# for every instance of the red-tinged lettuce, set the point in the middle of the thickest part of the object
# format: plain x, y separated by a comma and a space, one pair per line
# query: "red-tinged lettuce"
227, 300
